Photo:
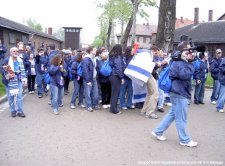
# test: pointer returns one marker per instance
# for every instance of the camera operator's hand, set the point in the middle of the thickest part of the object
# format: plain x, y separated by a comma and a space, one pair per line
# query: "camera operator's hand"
198, 81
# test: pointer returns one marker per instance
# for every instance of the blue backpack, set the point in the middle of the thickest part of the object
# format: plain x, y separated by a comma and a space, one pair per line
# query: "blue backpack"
165, 83
47, 78
106, 69
79, 70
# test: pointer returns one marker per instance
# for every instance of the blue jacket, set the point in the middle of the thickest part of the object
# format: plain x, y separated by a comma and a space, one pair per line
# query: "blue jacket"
214, 67
222, 72
181, 73
3, 50
41, 64
88, 69
56, 76
118, 66
200, 72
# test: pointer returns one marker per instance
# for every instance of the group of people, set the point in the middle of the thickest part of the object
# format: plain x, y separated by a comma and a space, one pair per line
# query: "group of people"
58, 68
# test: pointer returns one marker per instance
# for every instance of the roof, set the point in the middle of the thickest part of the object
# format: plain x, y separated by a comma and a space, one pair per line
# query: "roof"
221, 17
182, 22
205, 32
144, 30
9, 24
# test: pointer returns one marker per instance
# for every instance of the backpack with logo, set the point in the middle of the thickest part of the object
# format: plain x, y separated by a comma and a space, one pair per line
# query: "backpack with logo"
79, 70
106, 69
164, 81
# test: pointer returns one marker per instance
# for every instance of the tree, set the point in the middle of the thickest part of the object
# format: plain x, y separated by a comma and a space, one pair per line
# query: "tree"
166, 24
32, 23
59, 34
97, 42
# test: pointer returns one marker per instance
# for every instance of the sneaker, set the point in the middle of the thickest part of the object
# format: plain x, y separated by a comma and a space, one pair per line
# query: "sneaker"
56, 112
152, 116
49, 103
82, 106
13, 114
168, 104
89, 109
61, 105
97, 107
30, 92
213, 102
124, 108
46, 94
189, 144
72, 106
118, 113
21, 114
161, 138
105, 106
221, 110
40, 96
132, 107
161, 110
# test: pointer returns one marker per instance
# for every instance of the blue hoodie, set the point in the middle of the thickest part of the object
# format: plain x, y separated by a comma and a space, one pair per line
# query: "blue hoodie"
118, 66
56, 76
222, 72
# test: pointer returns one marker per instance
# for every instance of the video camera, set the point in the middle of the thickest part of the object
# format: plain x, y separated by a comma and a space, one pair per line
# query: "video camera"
186, 44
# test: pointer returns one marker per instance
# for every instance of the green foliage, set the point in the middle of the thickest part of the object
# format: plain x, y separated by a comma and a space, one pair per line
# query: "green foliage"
98, 42
2, 87
32, 23
209, 80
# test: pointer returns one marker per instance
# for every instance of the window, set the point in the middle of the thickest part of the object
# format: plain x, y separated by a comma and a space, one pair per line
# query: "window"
144, 39
137, 39
24, 39
12, 38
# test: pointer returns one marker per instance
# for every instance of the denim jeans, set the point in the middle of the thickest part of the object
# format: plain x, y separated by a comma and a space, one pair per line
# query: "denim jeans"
19, 99
216, 89
78, 90
91, 94
177, 112
41, 86
126, 88
199, 92
57, 95
221, 98
161, 98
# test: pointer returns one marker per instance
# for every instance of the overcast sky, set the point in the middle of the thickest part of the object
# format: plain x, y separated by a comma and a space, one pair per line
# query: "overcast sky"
83, 13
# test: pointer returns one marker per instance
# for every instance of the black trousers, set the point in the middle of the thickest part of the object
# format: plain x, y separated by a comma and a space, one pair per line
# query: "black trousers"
31, 82
66, 84
106, 93
115, 92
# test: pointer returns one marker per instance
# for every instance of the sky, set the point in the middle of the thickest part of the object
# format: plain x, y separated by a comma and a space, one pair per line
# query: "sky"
84, 13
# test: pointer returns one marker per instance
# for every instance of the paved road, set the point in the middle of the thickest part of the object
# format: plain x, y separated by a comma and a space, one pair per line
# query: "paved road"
77, 137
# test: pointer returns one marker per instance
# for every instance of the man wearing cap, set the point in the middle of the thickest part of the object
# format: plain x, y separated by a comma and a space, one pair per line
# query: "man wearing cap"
181, 72
14, 77
214, 69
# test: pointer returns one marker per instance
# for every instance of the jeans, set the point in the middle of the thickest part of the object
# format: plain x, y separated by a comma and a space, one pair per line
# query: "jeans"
221, 98
40, 83
91, 94
161, 99
66, 84
78, 90
19, 99
216, 89
177, 112
199, 92
126, 87
57, 95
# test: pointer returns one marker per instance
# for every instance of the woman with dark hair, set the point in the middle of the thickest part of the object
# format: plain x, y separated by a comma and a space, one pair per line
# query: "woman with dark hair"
127, 88
56, 71
117, 76
77, 82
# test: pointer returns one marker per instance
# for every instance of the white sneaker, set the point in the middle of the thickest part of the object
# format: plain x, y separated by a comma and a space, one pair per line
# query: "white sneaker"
161, 138
213, 102
124, 108
108, 105
221, 110
189, 144
105, 106
72, 106
82, 106
168, 104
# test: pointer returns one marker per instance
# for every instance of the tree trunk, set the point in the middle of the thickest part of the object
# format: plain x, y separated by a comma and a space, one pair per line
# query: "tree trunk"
166, 25
109, 34
126, 33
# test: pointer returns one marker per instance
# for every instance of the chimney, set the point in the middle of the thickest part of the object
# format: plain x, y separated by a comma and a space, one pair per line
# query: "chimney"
210, 15
182, 19
196, 16
147, 24
50, 30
